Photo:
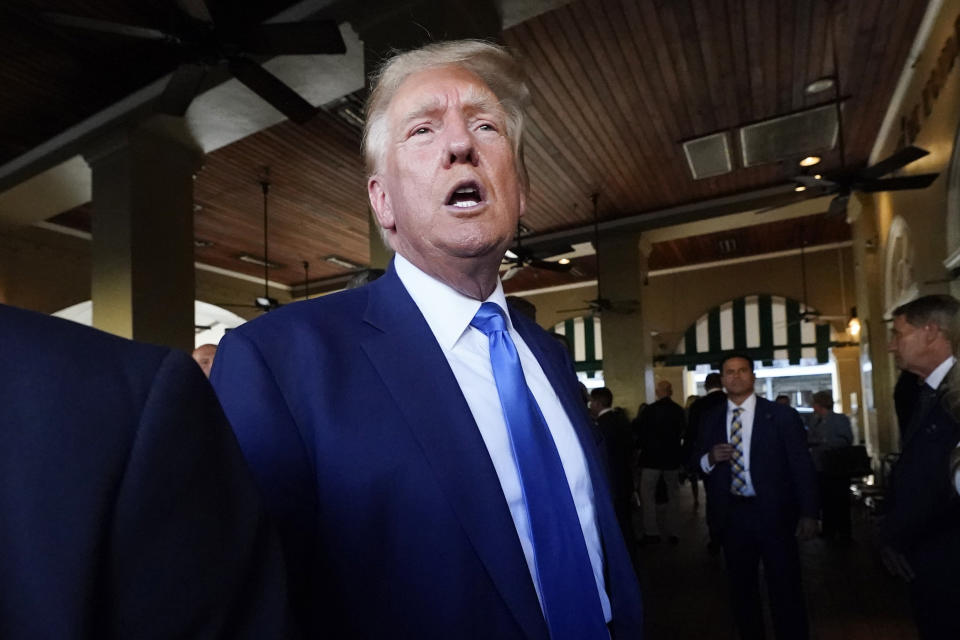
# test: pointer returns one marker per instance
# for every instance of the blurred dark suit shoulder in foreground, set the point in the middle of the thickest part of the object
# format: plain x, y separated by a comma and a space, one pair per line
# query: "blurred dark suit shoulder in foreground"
126, 509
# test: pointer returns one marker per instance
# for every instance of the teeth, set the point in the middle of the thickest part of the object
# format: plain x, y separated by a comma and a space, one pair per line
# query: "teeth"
465, 190
465, 203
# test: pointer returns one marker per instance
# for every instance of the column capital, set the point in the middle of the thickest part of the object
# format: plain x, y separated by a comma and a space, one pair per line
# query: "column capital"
159, 131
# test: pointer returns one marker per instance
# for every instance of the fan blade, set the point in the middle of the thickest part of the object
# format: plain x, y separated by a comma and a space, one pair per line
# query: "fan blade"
838, 206
272, 89
196, 9
812, 183
899, 159
921, 181
294, 38
509, 273
105, 26
180, 90
546, 265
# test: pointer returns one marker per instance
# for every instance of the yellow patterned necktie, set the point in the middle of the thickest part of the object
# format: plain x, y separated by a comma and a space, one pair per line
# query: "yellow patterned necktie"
738, 481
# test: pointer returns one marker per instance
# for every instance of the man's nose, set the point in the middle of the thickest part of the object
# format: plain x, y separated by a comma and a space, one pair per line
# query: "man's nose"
461, 147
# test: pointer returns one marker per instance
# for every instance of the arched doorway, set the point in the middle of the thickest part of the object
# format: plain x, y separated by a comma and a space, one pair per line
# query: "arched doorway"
210, 321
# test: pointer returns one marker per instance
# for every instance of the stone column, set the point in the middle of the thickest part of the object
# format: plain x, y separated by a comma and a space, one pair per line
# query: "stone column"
879, 423
627, 359
143, 274
848, 380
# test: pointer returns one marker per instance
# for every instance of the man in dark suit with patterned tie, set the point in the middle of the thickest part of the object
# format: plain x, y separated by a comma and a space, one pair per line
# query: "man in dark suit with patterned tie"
921, 527
761, 496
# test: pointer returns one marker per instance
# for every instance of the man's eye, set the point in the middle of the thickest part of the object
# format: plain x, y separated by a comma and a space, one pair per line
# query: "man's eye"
486, 127
420, 131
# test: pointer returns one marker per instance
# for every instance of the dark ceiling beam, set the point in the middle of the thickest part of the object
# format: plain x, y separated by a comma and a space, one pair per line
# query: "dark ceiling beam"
775, 196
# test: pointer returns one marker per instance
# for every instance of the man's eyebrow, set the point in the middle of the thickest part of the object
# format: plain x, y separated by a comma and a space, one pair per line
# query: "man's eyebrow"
474, 101
430, 107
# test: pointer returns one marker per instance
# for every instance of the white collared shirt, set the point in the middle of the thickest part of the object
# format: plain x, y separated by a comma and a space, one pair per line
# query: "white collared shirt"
937, 375
749, 407
448, 313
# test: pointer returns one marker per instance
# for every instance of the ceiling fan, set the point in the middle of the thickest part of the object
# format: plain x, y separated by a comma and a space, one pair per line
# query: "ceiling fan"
601, 304
807, 313
265, 302
209, 33
519, 257
844, 181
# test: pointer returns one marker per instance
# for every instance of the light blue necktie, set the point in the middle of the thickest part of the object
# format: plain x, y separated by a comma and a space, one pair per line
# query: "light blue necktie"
571, 603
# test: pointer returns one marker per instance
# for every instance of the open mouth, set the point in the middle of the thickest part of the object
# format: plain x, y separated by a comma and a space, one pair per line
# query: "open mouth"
465, 195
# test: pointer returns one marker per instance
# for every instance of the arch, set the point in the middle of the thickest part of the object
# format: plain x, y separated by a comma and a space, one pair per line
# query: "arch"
584, 342
763, 326
899, 280
953, 206
211, 321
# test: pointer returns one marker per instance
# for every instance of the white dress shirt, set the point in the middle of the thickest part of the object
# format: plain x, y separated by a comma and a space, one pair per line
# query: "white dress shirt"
749, 407
937, 375
448, 313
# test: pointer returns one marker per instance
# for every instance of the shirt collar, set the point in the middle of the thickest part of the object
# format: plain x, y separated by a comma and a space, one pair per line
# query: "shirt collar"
607, 410
938, 374
447, 311
748, 404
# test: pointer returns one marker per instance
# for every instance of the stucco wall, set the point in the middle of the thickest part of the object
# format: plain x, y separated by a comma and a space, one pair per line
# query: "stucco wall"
47, 271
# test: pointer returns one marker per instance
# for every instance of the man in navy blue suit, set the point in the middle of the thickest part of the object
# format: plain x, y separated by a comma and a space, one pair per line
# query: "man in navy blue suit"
425, 452
126, 509
761, 496
921, 526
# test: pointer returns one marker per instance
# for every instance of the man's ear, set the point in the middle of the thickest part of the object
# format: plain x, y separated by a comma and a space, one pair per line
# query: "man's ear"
380, 202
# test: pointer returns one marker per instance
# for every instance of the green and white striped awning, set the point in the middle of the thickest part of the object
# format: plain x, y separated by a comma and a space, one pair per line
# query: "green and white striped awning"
583, 337
763, 327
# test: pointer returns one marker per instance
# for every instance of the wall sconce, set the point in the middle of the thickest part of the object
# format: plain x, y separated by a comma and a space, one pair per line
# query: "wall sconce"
853, 326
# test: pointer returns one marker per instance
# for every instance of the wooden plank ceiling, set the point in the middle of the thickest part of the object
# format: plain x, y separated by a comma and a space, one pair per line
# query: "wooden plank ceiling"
617, 85
762, 238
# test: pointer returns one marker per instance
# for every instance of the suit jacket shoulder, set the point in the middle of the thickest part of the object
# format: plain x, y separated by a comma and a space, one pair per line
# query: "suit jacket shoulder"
132, 492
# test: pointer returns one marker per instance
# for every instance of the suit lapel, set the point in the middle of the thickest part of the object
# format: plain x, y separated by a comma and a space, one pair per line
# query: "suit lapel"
405, 354
921, 422
762, 419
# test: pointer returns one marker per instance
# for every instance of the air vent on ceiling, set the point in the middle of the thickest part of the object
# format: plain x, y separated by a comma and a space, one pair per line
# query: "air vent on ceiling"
350, 109
727, 246
789, 137
708, 156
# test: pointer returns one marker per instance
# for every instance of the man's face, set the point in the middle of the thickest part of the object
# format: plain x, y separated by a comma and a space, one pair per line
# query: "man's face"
595, 407
737, 377
204, 357
449, 187
909, 344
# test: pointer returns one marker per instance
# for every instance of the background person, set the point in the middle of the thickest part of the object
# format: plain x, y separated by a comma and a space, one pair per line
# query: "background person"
921, 527
203, 356
617, 441
761, 496
714, 397
660, 429
830, 431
